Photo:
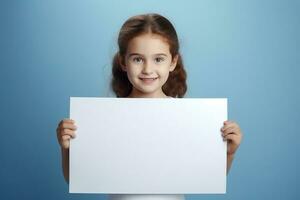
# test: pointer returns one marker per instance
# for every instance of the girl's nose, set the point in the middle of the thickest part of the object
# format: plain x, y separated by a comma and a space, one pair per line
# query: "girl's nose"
147, 68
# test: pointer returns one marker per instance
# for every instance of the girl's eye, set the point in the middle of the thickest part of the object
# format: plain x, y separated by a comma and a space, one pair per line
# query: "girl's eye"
159, 59
137, 59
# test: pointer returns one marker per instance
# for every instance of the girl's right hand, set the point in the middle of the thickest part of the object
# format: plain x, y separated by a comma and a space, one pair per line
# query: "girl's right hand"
65, 131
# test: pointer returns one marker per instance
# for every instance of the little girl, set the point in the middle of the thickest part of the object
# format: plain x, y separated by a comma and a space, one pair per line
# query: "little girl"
147, 65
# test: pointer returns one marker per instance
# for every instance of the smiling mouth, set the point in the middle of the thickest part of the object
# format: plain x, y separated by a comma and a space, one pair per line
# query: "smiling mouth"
148, 80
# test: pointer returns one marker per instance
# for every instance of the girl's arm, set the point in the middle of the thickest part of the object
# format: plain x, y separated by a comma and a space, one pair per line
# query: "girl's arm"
65, 131
65, 163
232, 133
229, 162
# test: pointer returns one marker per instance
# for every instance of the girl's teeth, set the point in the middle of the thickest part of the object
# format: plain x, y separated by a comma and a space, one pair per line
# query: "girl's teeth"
148, 78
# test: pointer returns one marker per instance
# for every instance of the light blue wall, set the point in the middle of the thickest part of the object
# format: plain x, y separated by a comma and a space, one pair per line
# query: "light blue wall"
247, 51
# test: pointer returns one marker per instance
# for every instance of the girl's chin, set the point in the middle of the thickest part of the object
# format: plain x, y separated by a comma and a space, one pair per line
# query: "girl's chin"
147, 91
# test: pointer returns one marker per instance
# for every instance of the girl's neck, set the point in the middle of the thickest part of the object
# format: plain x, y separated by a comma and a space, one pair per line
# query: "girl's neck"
137, 94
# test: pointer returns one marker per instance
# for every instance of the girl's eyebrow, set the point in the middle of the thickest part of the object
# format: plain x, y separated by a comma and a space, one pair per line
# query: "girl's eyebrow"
161, 54
134, 54
137, 54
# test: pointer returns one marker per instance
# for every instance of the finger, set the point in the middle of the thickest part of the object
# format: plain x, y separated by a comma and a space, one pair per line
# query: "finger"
66, 120
68, 132
70, 121
227, 126
65, 124
231, 130
230, 126
229, 122
226, 122
65, 137
230, 137
68, 126
235, 139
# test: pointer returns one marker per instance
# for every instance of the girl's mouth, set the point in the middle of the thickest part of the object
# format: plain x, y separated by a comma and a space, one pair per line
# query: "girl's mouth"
148, 80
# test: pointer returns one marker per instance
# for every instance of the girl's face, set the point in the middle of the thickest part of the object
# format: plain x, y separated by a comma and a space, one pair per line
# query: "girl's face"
148, 62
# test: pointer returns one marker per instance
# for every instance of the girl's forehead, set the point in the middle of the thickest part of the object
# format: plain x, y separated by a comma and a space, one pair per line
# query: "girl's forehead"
148, 44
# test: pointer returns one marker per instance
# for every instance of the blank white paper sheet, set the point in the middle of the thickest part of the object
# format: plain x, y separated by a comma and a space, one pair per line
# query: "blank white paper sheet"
148, 145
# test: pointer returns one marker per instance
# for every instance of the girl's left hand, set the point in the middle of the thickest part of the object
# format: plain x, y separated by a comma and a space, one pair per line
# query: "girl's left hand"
232, 133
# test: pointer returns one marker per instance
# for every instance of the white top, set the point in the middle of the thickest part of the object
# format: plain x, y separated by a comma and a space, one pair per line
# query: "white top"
146, 197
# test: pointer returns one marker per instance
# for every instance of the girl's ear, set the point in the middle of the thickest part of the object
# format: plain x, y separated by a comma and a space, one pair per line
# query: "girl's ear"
121, 62
174, 63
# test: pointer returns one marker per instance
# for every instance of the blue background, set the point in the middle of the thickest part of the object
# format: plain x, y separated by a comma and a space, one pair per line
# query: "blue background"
247, 51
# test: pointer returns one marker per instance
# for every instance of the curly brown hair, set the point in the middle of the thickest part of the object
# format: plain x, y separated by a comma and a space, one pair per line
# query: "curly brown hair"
175, 86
